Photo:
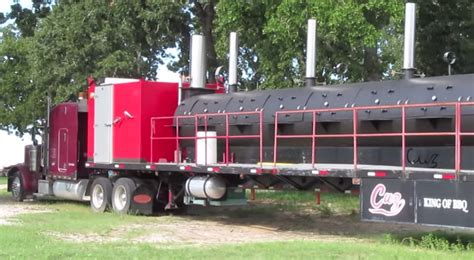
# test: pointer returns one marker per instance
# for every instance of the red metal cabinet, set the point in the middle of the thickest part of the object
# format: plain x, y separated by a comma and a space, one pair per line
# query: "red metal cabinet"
133, 105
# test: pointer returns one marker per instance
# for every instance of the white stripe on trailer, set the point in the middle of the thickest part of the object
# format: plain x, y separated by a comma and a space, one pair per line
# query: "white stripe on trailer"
315, 172
148, 167
182, 168
209, 169
117, 166
438, 176
371, 174
253, 171
88, 164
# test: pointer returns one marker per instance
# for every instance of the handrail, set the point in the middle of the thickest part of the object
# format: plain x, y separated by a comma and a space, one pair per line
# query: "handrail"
355, 135
227, 137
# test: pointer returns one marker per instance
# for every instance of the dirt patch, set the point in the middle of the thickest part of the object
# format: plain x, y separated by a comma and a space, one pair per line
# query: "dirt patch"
212, 232
182, 231
9, 211
203, 226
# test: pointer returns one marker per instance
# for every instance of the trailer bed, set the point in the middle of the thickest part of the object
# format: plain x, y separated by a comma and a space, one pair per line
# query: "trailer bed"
316, 170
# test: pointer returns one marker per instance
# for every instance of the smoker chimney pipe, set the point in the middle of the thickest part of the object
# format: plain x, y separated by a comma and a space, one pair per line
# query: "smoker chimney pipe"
409, 46
233, 53
198, 62
310, 79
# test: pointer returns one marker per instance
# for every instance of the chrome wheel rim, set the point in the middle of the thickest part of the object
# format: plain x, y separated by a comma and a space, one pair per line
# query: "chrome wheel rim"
16, 187
120, 198
97, 196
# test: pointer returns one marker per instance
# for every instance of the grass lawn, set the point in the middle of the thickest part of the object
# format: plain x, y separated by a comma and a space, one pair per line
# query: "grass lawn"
3, 180
23, 243
33, 237
30, 240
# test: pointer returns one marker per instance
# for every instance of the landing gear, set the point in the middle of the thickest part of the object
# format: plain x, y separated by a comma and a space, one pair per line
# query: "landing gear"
101, 194
17, 189
122, 195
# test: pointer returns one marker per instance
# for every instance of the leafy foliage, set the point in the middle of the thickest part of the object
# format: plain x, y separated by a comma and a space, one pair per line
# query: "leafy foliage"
357, 33
19, 99
445, 26
100, 39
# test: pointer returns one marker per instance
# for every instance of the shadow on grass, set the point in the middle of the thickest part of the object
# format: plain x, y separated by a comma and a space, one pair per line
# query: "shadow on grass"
297, 212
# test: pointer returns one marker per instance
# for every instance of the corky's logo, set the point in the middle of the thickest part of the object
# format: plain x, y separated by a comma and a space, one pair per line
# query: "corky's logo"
385, 203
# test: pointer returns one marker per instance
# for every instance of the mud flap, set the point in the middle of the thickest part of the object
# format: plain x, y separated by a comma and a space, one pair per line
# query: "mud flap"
142, 200
432, 202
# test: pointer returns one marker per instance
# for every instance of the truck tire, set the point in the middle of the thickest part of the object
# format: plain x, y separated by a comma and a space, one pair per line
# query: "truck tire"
122, 195
101, 195
17, 188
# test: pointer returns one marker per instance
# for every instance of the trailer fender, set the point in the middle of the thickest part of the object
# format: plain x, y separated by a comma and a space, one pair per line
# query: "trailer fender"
29, 179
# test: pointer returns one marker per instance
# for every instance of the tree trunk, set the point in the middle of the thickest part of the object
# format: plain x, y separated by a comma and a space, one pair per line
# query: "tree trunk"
371, 64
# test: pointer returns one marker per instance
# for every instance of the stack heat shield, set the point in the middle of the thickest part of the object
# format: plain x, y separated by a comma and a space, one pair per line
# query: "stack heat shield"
431, 152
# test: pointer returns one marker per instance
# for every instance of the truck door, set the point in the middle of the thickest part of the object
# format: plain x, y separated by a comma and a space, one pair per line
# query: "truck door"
103, 124
63, 143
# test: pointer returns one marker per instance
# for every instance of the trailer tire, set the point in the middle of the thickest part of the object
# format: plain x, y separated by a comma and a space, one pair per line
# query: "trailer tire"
101, 195
17, 188
122, 195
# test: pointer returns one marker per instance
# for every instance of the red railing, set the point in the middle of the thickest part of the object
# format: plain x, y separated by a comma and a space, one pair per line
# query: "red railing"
355, 135
205, 117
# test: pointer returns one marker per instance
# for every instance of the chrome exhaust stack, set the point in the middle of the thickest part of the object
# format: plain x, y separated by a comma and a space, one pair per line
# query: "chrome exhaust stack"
310, 79
233, 55
198, 62
409, 41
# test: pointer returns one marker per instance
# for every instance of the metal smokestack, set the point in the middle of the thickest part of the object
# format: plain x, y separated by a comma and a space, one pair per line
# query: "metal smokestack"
409, 47
310, 79
233, 53
198, 62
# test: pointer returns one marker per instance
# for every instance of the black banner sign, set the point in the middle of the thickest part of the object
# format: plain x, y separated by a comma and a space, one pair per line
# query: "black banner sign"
387, 200
440, 202
445, 203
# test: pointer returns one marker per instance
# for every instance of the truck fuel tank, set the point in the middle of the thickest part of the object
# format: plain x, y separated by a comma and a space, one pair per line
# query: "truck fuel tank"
206, 187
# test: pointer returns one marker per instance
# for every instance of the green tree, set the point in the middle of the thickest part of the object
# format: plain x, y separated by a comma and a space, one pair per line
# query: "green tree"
114, 39
25, 19
358, 33
19, 97
445, 26
21, 102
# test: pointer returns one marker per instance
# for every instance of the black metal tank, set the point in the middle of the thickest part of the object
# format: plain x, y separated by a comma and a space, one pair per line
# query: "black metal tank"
373, 150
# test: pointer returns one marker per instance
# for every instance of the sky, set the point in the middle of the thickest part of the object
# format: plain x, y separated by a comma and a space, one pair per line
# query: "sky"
11, 146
